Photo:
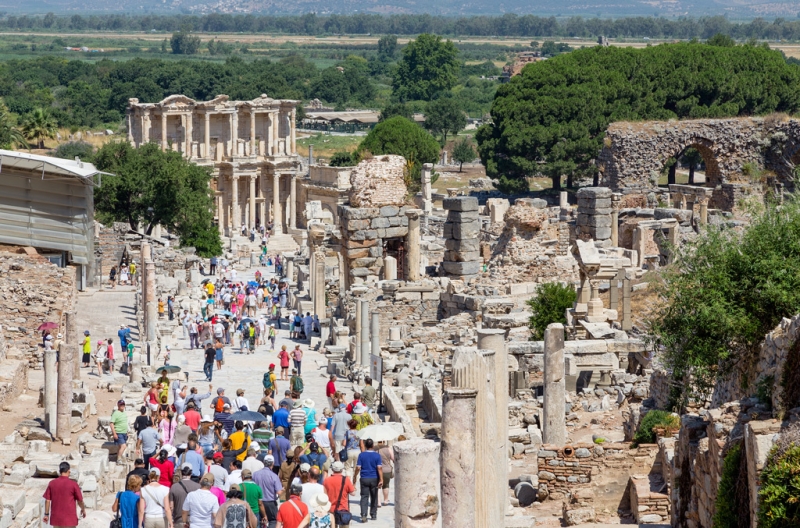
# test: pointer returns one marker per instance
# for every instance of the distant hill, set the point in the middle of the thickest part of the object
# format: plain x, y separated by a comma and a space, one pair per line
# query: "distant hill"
733, 9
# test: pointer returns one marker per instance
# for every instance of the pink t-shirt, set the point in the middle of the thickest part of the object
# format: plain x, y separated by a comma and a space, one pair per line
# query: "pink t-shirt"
110, 351
219, 494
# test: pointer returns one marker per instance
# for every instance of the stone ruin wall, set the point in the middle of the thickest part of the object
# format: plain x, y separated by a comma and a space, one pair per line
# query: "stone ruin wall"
635, 152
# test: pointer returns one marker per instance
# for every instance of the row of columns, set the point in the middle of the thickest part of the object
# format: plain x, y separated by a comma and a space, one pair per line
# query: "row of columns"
59, 371
368, 333
187, 122
235, 220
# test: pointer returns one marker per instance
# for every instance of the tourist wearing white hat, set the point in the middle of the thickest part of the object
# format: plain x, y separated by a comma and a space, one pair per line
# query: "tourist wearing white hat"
311, 416
157, 511
361, 416
320, 511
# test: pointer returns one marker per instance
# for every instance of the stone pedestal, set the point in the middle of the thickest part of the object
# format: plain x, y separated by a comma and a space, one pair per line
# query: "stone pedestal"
50, 391
135, 371
462, 258
416, 483
66, 362
394, 333
253, 259
563, 200
365, 348
457, 463
375, 333
288, 270
554, 429
413, 241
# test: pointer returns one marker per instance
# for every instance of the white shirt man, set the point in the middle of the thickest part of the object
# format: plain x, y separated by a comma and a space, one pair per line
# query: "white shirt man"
201, 505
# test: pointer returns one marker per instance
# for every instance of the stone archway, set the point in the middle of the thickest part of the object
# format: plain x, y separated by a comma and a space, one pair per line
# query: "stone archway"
706, 148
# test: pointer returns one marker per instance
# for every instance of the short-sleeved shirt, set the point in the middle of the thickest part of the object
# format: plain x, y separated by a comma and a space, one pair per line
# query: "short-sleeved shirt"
238, 439
368, 396
177, 495
369, 461
297, 417
252, 494
120, 421
210, 354
149, 438
63, 494
289, 515
333, 486
202, 505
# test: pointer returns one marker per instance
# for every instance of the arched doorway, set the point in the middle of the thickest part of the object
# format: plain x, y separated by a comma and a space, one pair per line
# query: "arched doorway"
692, 164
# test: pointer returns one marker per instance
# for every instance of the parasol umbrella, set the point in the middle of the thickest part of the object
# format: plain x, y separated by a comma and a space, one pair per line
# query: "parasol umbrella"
47, 326
171, 369
224, 312
247, 320
248, 416
205, 281
379, 433
252, 284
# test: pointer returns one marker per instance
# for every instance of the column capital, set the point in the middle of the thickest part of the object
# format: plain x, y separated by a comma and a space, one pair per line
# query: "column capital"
413, 214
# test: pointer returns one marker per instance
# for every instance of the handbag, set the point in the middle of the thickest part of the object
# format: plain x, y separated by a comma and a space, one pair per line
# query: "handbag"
343, 452
342, 517
116, 522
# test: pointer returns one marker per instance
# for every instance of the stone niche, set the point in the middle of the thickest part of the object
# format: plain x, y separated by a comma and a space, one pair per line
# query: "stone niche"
374, 224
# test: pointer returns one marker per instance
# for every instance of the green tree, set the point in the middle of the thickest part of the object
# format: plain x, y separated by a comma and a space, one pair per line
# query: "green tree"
38, 126
445, 116
692, 158
398, 135
552, 118
184, 43
463, 152
343, 158
387, 45
722, 294
778, 506
156, 187
75, 149
549, 306
429, 67
395, 109
10, 135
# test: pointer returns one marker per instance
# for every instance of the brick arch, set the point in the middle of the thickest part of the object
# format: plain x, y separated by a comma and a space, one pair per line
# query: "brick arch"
706, 148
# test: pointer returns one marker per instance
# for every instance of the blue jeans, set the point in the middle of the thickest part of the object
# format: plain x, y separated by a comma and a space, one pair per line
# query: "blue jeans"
208, 370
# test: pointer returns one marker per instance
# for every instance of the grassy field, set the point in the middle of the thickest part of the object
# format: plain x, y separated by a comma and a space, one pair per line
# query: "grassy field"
325, 145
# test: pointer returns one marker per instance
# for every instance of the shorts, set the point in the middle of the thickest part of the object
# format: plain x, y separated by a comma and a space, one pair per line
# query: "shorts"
122, 439
387, 478
152, 406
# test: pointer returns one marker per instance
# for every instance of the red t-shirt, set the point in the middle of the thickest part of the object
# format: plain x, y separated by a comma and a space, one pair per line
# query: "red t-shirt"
330, 389
284, 357
288, 514
351, 405
192, 419
167, 471
333, 485
63, 494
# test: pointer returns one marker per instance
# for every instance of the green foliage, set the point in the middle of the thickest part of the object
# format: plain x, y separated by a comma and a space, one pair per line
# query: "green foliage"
779, 494
387, 45
551, 49
156, 187
10, 135
463, 152
38, 126
764, 389
395, 109
344, 159
398, 135
429, 67
445, 116
184, 43
552, 118
549, 306
73, 149
645, 434
790, 378
348, 81
727, 509
723, 41
724, 292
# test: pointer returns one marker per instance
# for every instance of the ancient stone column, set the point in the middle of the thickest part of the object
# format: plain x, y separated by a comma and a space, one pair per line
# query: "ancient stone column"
163, 131
274, 121
289, 268
389, 268
292, 131
365, 349
151, 315
146, 127
207, 135
427, 198
412, 262
563, 200
252, 211
474, 369
293, 202
234, 122
319, 282
50, 391
71, 338
703, 210
416, 483
494, 339
276, 204
146, 254
627, 323
554, 429
221, 214
252, 132
375, 333
359, 327
236, 216
616, 198
458, 459
66, 361
187, 130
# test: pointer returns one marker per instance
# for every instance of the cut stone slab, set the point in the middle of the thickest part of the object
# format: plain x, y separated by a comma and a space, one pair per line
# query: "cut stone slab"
12, 499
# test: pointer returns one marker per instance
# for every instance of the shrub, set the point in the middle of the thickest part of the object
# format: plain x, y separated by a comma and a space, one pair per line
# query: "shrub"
344, 159
779, 506
72, 149
654, 420
549, 306
731, 511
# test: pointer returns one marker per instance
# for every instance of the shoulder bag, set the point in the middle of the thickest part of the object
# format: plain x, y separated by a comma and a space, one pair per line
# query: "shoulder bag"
342, 517
116, 522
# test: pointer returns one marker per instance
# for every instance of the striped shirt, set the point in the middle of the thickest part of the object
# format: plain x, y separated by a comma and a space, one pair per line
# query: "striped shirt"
297, 417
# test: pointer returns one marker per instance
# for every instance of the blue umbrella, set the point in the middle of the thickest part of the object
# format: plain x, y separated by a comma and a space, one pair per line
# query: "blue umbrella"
247, 320
248, 416
224, 312
253, 284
